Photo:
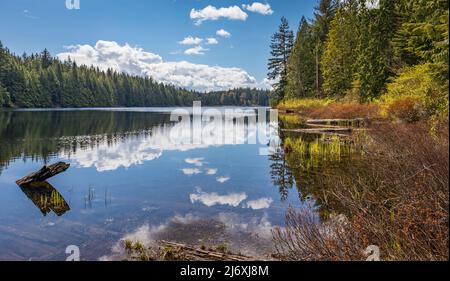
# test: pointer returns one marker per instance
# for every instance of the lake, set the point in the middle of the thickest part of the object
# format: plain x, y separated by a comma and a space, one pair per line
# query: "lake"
138, 174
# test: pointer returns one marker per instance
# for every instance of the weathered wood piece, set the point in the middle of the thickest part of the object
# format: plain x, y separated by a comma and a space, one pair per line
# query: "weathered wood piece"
324, 130
44, 173
358, 122
194, 254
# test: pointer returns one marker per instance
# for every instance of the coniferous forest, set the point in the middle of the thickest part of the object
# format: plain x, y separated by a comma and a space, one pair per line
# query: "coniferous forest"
365, 51
39, 81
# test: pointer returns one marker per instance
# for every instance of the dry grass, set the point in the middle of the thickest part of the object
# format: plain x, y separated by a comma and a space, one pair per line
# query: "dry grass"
397, 199
305, 239
400, 200
301, 104
324, 109
344, 111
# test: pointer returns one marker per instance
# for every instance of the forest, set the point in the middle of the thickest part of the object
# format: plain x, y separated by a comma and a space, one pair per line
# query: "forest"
41, 81
385, 185
393, 53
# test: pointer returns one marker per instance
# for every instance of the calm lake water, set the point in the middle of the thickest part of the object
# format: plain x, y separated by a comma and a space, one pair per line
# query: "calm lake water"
128, 180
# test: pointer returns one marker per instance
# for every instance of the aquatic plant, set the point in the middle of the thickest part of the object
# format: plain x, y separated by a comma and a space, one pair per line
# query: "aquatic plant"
222, 247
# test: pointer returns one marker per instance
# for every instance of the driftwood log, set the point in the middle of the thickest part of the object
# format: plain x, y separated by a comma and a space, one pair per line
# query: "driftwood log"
44, 173
193, 254
340, 131
358, 122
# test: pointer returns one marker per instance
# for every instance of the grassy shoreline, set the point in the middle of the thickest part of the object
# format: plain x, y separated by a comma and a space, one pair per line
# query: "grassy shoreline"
397, 201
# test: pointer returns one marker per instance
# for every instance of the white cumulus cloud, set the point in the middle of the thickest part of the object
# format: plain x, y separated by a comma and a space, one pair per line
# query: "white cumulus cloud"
191, 41
136, 61
211, 171
191, 171
212, 199
223, 179
260, 8
212, 41
195, 161
197, 50
213, 13
223, 33
262, 203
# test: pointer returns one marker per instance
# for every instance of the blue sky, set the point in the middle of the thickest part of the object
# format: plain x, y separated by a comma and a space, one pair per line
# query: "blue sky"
156, 27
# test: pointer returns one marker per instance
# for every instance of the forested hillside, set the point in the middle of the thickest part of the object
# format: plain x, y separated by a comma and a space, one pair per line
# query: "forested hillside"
39, 80
364, 50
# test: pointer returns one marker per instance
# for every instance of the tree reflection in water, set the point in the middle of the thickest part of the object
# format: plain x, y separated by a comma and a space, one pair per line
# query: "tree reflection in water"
307, 160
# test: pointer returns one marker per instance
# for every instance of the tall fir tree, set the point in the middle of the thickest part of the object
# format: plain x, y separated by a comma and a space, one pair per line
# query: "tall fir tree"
46, 59
376, 27
300, 78
323, 16
338, 60
281, 46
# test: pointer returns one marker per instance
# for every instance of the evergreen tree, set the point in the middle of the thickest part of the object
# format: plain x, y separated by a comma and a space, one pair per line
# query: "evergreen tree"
39, 80
323, 16
5, 100
375, 52
300, 78
281, 46
46, 59
422, 35
338, 60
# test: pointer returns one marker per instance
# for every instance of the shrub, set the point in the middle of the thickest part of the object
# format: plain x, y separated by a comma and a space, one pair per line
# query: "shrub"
414, 95
305, 239
407, 108
396, 198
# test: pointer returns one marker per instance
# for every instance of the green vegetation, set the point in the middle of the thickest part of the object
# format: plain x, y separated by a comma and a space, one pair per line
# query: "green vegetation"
300, 80
339, 55
281, 46
387, 185
298, 104
222, 248
42, 81
136, 251
414, 94
394, 54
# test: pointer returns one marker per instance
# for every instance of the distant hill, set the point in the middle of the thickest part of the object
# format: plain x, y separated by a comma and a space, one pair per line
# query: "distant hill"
40, 81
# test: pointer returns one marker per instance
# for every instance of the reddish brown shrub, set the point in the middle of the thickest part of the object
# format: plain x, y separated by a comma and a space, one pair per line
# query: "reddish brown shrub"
410, 109
397, 198
344, 111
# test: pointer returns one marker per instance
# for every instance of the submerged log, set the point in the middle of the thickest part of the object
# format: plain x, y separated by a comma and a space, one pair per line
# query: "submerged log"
194, 254
44, 173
